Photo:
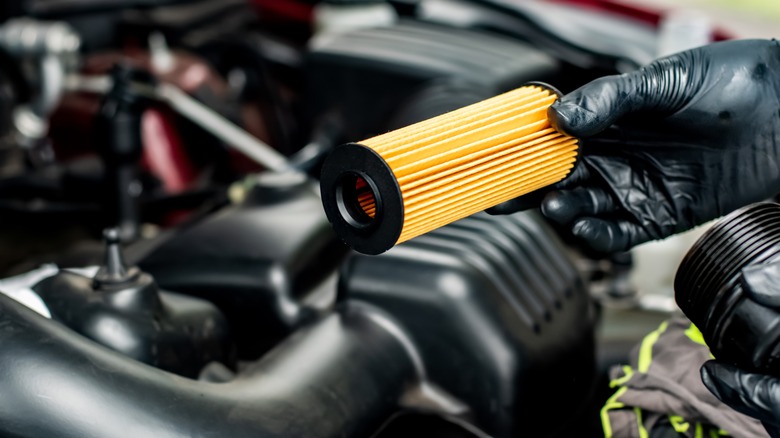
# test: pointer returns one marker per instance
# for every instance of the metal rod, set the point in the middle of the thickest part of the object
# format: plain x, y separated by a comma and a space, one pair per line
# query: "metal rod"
195, 111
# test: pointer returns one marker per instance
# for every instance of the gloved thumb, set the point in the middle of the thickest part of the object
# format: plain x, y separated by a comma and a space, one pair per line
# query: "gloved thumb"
592, 108
761, 282
661, 87
755, 395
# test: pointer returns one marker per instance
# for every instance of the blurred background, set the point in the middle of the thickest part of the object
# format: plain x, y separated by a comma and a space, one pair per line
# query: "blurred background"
745, 19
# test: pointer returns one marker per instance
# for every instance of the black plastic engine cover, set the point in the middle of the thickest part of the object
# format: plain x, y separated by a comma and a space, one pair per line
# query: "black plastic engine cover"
500, 315
169, 331
366, 75
254, 260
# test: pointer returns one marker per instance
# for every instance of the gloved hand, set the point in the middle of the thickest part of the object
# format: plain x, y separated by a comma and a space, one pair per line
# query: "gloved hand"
755, 395
697, 136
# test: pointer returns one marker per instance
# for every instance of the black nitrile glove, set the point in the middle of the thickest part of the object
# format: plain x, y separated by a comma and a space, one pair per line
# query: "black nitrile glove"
755, 395
697, 136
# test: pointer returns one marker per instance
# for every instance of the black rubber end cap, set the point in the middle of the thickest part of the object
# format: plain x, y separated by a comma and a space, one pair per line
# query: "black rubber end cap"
341, 170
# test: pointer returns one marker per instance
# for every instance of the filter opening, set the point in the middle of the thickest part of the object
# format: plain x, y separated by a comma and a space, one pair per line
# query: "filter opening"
358, 201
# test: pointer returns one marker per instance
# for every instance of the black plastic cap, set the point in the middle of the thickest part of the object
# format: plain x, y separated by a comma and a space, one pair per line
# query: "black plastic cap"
737, 328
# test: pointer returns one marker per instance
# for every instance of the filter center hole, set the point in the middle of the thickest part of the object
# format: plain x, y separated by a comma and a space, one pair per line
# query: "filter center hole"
357, 200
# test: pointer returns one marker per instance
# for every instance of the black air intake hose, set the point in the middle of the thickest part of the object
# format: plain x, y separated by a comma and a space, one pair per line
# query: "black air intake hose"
709, 288
341, 376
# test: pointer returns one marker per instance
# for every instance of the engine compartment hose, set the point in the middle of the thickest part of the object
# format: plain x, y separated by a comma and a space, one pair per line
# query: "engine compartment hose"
709, 290
391, 188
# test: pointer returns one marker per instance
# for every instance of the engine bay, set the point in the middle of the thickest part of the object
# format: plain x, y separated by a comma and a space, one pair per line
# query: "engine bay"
169, 269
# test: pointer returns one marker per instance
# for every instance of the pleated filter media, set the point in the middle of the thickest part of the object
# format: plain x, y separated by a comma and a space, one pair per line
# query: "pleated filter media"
396, 186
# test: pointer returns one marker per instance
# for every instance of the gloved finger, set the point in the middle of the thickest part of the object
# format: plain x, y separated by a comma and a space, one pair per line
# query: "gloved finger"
608, 236
756, 395
534, 199
521, 203
762, 283
577, 177
563, 206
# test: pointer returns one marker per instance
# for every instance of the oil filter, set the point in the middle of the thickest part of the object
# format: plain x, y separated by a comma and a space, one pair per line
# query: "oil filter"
708, 288
388, 189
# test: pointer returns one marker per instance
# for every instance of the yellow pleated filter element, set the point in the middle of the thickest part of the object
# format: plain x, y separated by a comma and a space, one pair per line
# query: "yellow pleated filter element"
391, 188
